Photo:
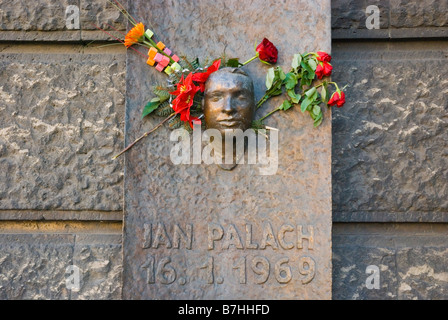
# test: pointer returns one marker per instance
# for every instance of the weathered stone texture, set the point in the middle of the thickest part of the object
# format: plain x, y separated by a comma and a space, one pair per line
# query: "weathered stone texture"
417, 14
46, 20
157, 191
33, 266
62, 121
411, 258
398, 19
351, 14
389, 140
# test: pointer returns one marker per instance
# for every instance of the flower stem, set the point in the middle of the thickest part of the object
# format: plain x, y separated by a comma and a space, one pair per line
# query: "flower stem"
144, 135
262, 100
251, 59
269, 114
335, 84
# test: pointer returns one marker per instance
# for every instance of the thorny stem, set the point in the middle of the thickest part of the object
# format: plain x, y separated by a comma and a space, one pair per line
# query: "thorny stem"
144, 135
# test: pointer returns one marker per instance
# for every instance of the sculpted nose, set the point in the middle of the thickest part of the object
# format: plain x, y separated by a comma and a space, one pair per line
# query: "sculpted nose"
228, 105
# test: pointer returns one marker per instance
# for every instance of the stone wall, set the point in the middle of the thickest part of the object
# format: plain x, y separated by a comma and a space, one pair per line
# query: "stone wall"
390, 163
62, 117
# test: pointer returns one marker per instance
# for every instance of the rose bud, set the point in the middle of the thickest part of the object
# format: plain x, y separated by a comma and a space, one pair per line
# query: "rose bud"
323, 56
338, 99
323, 70
267, 52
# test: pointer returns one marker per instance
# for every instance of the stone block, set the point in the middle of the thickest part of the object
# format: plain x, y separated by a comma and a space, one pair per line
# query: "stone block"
398, 19
389, 139
417, 14
410, 257
45, 20
62, 121
38, 259
421, 272
350, 278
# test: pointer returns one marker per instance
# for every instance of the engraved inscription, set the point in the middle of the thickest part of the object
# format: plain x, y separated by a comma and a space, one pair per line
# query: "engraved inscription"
287, 237
158, 236
307, 268
282, 271
240, 265
260, 266
164, 271
270, 266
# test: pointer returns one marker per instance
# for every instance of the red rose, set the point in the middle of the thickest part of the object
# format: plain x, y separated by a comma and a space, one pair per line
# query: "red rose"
267, 52
323, 70
323, 56
337, 99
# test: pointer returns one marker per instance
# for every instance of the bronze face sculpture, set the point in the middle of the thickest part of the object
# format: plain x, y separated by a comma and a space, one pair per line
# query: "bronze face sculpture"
228, 103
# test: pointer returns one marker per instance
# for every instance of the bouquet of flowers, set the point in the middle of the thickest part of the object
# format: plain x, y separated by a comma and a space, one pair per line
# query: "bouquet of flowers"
179, 99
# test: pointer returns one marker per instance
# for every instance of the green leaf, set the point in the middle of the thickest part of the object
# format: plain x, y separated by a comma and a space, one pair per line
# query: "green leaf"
296, 60
305, 103
318, 120
309, 93
311, 76
313, 64
280, 73
306, 82
316, 110
294, 97
290, 80
323, 94
233, 63
151, 106
285, 105
306, 66
270, 78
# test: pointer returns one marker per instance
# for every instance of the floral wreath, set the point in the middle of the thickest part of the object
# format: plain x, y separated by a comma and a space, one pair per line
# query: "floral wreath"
179, 100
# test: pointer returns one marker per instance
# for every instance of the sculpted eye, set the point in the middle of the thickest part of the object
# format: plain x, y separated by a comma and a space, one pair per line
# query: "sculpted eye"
215, 98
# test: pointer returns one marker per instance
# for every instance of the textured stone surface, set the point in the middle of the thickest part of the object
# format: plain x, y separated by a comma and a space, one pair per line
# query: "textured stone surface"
389, 140
158, 192
417, 14
62, 121
422, 273
33, 266
351, 14
411, 259
398, 19
46, 20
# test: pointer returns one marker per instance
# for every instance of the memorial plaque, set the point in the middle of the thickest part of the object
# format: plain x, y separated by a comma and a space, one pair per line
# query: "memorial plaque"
196, 231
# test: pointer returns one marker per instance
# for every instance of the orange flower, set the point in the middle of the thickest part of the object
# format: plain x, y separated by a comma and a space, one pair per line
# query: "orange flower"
134, 35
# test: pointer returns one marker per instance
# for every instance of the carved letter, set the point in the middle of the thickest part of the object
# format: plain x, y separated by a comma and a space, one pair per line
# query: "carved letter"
281, 236
185, 237
249, 244
268, 237
161, 237
232, 238
147, 235
309, 237
212, 237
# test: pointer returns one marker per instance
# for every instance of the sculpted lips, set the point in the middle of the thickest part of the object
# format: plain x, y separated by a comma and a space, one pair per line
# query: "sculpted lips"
229, 122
